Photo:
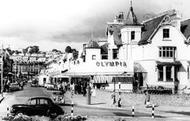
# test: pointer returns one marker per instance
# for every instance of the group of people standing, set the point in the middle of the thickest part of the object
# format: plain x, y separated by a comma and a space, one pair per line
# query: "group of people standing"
80, 88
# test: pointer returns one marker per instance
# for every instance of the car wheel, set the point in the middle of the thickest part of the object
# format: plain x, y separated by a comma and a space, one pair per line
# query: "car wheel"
18, 112
53, 115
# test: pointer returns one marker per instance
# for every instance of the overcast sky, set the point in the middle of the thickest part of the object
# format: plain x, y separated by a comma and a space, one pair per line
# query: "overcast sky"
59, 23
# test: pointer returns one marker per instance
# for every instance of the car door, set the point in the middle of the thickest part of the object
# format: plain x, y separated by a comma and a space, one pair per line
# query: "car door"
41, 107
30, 110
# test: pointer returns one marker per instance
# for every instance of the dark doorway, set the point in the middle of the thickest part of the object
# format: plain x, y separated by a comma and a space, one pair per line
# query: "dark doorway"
140, 78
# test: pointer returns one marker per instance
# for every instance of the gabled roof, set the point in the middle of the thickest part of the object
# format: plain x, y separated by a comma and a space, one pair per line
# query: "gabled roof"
149, 27
185, 28
131, 17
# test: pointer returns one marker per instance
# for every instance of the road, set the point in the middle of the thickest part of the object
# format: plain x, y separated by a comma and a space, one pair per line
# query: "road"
22, 96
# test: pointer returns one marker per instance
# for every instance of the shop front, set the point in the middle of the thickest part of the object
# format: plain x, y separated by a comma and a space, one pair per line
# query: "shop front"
102, 74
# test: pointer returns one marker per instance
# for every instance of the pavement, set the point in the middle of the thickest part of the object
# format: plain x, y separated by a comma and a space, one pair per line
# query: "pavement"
103, 100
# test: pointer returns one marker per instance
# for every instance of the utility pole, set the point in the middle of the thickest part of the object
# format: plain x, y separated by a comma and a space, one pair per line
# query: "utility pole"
1, 62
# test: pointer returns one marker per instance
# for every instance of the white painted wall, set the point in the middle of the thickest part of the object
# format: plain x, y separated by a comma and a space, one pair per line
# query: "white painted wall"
148, 54
92, 51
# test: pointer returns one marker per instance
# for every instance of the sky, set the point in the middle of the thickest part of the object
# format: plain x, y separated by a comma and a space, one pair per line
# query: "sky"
56, 24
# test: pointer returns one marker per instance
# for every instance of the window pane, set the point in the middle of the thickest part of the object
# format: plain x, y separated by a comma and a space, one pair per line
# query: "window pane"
115, 53
167, 55
165, 33
167, 52
168, 73
33, 102
132, 35
160, 73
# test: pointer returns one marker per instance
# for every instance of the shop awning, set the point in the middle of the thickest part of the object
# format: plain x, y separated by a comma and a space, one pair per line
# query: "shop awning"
175, 63
138, 68
123, 79
102, 79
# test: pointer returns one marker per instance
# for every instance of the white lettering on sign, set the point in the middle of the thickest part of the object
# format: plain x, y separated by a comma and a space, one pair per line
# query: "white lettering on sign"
111, 64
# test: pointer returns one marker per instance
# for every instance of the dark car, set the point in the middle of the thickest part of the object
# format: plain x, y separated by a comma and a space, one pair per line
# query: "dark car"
42, 106
14, 87
34, 83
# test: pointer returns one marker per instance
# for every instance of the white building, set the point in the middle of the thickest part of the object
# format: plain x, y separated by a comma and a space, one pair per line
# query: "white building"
158, 46
155, 52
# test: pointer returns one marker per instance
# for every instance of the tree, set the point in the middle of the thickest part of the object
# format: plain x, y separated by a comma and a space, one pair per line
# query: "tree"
68, 49
24, 51
33, 49
9, 51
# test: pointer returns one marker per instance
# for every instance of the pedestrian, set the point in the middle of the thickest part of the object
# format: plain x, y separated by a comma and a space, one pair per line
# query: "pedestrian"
113, 98
147, 98
119, 102
22, 85
8, 85
176, 84
84, 90
94, 92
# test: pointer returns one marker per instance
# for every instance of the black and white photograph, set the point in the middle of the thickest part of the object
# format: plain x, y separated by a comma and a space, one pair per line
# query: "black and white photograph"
94, 60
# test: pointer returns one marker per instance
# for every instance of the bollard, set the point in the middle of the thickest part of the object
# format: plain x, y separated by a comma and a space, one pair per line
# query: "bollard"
8, 111
133, 111
72, 104
152, 111
72, 109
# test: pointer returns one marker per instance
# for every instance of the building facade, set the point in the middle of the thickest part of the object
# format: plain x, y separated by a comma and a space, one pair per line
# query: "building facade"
158, 46
25, 66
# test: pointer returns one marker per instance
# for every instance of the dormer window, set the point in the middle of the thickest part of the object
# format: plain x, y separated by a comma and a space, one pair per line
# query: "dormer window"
132, 35
166, 33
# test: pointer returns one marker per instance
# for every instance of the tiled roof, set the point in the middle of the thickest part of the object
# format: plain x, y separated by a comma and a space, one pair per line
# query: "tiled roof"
185, 28
148, 29
115, 31
131, 18
93, 44
104, 48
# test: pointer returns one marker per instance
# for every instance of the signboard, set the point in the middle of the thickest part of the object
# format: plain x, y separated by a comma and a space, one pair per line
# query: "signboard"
111, 64
103, 67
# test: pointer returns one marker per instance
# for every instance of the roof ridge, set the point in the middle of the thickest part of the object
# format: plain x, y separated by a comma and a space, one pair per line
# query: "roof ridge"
159, 15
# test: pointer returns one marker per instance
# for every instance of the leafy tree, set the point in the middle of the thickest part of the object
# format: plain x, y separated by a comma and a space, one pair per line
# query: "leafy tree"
68, 49
9, 51
55, 50
33, 49
24, 51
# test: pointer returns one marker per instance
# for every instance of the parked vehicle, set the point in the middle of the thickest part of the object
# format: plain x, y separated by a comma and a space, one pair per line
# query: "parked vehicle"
14, 87
186, 90
34, 83
49, 86
42, 106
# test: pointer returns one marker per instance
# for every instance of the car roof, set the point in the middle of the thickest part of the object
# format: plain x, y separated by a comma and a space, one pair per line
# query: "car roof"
40, 97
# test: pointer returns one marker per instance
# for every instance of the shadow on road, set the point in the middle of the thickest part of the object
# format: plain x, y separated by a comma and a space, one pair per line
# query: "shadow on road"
137, 115
97, 103
179, 112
